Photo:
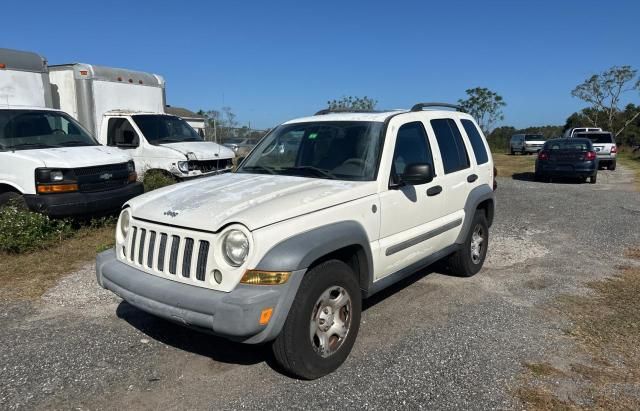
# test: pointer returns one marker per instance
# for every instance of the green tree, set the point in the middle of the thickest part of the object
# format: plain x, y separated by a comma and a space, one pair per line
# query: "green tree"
604, 92
485, 105
352, 103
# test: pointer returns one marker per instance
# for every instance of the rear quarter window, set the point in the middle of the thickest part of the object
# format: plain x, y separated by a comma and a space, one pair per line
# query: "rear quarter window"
477, 142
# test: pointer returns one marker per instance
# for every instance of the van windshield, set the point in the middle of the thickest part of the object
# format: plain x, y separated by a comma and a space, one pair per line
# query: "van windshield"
163, 129
340, 150
36, 129
534, 137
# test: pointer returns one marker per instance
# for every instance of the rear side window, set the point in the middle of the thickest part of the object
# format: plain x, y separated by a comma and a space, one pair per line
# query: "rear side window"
454, 153
477, 142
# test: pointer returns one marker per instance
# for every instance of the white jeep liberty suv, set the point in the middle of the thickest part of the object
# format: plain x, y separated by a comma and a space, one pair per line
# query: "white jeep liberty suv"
325, 211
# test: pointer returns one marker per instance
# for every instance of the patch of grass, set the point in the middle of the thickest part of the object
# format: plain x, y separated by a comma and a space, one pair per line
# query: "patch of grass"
154, 179
509, 165
543, 369
606, 324
29, 275
631, 160
22, 231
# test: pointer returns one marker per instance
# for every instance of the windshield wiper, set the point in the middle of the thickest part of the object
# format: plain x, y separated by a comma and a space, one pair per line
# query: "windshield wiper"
168, 140
258, 168
315, 170
75, 143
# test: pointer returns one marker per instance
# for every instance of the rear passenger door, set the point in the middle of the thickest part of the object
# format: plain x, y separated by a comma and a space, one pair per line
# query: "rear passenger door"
458, 174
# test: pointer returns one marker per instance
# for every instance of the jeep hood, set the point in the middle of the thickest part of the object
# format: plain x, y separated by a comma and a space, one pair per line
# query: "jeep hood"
254, 200
73, 157
201, 150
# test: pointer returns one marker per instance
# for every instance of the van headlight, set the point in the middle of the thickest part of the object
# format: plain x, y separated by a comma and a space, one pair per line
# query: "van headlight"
235, 247
125, 222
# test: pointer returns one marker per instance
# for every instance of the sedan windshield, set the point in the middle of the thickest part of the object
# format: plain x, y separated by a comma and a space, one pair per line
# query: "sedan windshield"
34, 129
162, 129
341, 150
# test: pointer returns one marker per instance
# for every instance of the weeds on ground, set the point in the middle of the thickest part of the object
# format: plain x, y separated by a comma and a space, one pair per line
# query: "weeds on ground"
606, 324
154, 179
508, 165
22, 231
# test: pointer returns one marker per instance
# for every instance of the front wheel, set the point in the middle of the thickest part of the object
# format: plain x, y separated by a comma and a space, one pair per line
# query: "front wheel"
322, 324
13, 199
468, 260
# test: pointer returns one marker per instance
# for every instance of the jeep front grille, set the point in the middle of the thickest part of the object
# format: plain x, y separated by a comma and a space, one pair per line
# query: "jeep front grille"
155, 249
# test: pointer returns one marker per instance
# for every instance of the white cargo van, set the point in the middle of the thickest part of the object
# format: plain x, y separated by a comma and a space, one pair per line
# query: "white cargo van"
49, 162
125, 109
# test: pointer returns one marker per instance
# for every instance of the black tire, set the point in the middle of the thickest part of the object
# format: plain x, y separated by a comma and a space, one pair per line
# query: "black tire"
593, 178
612, 165
462, 263
539, 177
513, 153
13, 198
294, 349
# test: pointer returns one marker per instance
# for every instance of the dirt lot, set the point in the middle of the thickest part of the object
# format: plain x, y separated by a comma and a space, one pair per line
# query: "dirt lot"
433, 341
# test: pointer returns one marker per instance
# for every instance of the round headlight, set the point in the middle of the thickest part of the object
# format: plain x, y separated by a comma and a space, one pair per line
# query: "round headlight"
125, 221
183, 166
235, 247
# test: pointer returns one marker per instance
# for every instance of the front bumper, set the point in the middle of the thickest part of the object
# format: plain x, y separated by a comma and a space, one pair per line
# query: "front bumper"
234, 315
73, 204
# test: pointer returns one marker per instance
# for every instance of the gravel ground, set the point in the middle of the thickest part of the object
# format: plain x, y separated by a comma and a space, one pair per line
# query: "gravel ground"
433, 341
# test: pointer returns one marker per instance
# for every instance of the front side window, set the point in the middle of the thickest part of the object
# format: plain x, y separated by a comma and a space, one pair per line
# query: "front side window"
477, 142
452, 148
120, 133
33, 129
342, 150
412, 147
159, 129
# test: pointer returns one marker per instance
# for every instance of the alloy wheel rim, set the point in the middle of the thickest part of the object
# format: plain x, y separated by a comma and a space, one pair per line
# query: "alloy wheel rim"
477, 244
330, 321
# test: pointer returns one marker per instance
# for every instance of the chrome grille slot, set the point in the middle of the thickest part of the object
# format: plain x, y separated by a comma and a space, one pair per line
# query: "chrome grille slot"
186, 259
132, 247
152, 246
173, 259
143, 237
203, 254
162, 251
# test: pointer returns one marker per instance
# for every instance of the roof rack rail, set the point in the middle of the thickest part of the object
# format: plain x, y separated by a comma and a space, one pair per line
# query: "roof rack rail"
420, 106
342, 110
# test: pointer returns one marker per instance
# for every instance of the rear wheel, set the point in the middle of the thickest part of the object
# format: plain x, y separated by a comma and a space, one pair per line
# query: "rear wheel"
468, 260
612, 165
323, 322
593, 178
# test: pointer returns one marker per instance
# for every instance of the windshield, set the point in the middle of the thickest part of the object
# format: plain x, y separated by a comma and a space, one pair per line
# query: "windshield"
570, 144
161, 129
34, 129
341, 150
598, 138
534, 137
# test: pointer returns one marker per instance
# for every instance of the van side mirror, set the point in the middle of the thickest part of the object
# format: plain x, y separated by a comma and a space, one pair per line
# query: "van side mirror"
417, 174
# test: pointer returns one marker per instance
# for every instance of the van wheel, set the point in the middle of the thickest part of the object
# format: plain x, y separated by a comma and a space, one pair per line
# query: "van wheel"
14, 199
612, 165
322, 324
468, 260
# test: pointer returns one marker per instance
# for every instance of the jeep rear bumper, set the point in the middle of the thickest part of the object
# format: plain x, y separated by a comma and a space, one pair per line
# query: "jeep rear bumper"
234, 315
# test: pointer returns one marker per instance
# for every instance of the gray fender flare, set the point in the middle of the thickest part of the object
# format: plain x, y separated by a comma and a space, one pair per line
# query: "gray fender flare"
476, 196
297, 253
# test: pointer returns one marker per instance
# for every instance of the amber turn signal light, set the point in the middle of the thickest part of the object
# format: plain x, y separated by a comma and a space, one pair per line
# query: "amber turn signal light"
257, 277
57, 188
265, 316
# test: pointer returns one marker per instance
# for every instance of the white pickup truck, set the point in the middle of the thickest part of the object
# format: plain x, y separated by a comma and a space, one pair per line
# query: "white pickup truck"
48, 162
125, 109
325, 211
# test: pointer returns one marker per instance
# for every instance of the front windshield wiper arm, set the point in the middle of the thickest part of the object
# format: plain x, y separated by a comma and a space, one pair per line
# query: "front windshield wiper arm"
75, 143
34, 145
258, 168
317, 171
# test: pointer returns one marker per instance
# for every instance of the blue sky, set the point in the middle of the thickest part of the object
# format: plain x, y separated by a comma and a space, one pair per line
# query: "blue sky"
274, 60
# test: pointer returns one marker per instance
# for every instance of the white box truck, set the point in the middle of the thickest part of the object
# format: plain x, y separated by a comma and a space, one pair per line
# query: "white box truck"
48, 161
125, 109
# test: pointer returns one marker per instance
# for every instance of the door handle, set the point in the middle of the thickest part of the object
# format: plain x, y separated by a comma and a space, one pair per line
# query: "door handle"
434, 191
472, 178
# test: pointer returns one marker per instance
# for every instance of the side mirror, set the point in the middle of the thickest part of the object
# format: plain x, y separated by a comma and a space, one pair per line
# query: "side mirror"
417, 174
